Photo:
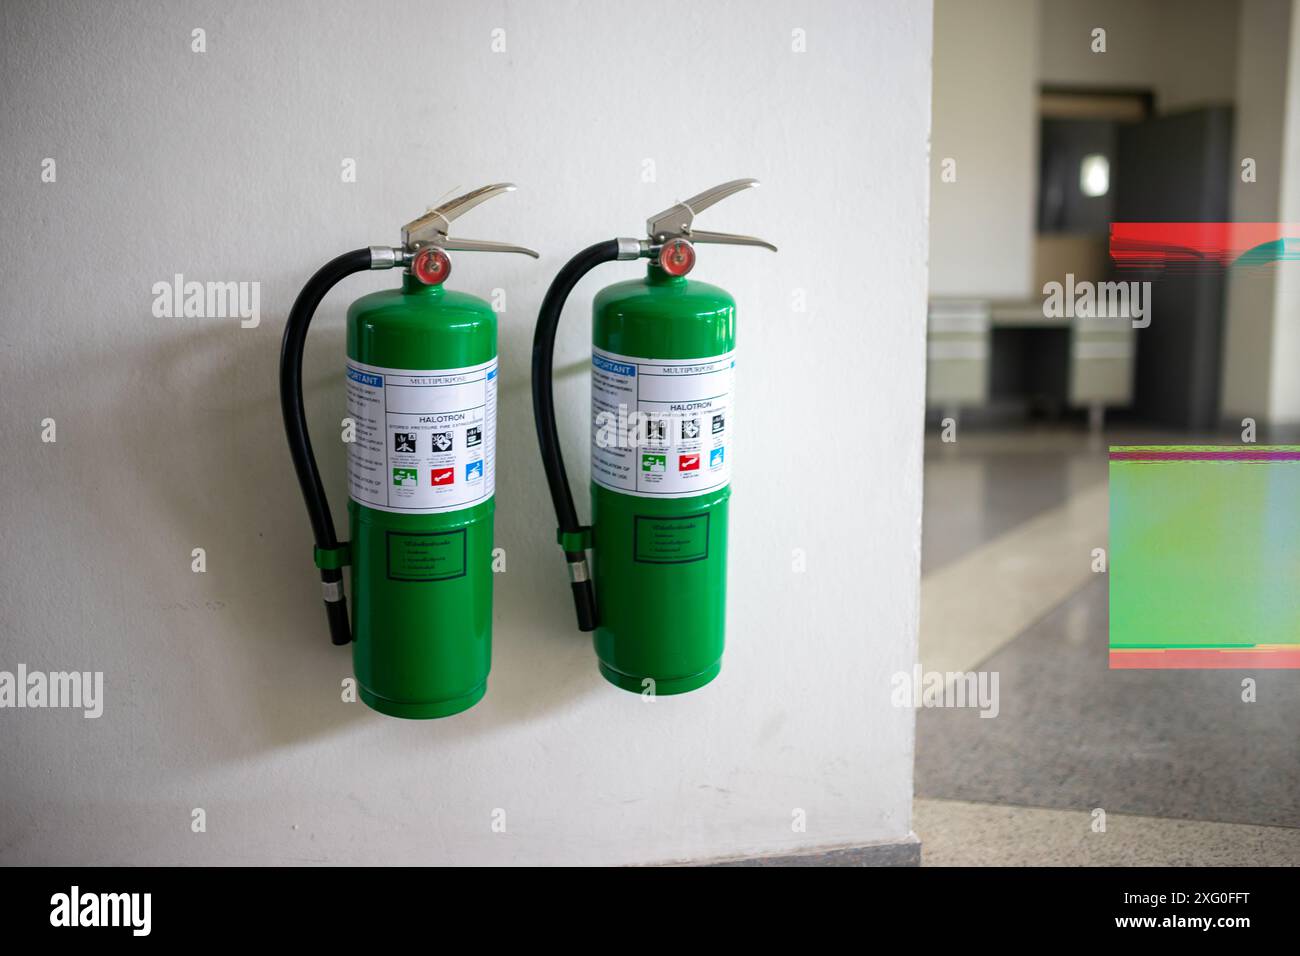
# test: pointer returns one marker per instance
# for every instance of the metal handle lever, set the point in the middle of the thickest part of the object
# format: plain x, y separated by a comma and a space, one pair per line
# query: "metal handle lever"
729, 238
677, 222
431, 228
484, 245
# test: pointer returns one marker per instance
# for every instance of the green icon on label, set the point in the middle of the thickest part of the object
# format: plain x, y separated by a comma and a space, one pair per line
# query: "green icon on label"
406, 477
654, 463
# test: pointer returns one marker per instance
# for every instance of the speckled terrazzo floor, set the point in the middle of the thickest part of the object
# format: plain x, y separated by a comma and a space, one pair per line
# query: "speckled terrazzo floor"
1072, 734
1186, 771
953, 833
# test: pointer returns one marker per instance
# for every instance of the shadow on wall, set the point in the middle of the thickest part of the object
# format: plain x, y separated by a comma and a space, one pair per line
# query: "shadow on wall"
226, 482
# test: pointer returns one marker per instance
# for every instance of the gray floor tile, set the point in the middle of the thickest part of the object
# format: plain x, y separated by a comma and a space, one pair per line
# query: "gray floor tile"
1072, 734
953, 833
981, 487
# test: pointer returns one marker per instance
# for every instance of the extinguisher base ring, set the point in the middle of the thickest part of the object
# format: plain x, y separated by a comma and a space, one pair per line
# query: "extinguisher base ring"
659, 687
420, 710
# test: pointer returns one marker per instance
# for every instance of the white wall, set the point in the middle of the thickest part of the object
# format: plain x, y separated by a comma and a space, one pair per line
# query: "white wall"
990, 57
222, 688
986, 119
1249, 328
1184, 50
1284, 396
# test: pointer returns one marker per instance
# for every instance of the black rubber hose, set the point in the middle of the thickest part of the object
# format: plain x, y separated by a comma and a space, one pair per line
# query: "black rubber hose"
295, 427
548, 439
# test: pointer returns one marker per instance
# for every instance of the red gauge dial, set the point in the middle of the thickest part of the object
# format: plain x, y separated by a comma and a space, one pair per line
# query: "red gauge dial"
677, 257
431, 266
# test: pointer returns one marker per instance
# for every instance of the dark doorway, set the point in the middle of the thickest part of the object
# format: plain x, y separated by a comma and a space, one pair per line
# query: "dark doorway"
1177, 169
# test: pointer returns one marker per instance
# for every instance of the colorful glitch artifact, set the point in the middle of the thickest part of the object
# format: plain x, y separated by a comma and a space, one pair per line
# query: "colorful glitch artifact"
1205, 556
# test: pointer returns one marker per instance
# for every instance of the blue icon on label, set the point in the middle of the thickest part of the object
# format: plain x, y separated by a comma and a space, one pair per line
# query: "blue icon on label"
474, 470
715, 457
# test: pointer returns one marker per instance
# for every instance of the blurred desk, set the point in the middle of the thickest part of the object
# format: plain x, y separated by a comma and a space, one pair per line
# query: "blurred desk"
1097, 368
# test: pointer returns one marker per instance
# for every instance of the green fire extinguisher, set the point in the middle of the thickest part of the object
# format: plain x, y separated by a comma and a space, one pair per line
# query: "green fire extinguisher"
421, 391
662, 427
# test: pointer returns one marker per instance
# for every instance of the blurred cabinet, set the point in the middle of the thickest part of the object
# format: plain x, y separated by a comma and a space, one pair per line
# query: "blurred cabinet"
960, 343
957, 353
1101, 362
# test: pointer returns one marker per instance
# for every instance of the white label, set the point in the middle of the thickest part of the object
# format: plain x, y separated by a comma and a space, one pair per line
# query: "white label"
426, 441
661, 429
